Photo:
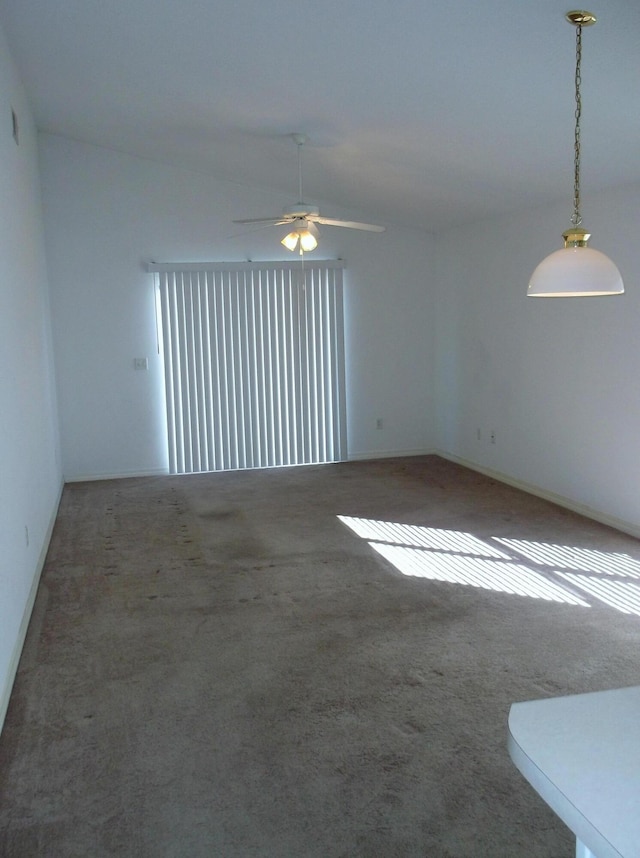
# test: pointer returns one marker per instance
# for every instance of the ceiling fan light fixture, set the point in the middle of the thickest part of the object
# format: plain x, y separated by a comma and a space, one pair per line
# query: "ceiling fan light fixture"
577, 270
308, 241
290, 240
304, 232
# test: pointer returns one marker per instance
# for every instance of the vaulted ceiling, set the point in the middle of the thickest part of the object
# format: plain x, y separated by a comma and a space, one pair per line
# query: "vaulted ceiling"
430, 113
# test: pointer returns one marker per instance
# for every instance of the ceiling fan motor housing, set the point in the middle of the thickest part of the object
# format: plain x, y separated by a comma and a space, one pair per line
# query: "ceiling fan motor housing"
300, 210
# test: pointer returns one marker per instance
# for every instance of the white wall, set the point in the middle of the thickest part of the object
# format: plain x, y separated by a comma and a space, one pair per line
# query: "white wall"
30, 476
107, 214
557, 379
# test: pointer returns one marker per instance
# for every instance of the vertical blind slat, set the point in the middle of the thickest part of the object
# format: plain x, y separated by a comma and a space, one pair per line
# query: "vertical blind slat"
254, 366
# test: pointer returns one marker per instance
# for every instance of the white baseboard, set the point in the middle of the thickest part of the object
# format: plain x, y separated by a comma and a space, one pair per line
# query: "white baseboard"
389, 454
629, 527
5, 694
86, 478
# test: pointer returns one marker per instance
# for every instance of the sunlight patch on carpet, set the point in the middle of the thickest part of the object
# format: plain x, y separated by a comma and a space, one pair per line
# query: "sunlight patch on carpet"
462, 558
421, 537
567, 557
502, 577
624, 596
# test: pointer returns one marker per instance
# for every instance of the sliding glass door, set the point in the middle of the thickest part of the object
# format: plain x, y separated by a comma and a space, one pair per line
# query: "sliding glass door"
254, 364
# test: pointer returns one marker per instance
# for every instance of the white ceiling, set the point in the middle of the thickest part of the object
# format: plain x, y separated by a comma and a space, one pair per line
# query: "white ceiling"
433, 113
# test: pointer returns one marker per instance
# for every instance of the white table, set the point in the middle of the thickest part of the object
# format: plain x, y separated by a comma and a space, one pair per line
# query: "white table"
582, 755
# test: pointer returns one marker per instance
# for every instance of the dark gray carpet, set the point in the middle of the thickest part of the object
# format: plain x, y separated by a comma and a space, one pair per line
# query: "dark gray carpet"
218, 666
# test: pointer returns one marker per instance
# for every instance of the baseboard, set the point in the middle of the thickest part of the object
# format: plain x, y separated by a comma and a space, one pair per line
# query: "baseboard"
123, 475
5, 695
567, 503
369, 455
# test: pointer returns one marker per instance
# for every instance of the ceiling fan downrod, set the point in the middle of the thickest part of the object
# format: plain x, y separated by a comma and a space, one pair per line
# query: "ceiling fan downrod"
299, 140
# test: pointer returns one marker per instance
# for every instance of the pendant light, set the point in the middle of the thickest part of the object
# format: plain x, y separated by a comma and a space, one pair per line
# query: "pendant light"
576, 270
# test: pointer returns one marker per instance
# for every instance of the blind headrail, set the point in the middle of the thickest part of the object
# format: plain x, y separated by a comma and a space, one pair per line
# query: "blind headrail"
286, 265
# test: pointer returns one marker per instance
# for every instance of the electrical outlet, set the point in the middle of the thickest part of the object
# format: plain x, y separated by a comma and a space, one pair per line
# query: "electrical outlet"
379, 423
141, 363
492, 437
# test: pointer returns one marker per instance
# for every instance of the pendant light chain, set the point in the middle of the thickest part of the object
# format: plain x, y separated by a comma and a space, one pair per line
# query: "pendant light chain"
576, 219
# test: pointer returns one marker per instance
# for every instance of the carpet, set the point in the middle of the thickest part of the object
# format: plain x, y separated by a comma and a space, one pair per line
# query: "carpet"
219, 665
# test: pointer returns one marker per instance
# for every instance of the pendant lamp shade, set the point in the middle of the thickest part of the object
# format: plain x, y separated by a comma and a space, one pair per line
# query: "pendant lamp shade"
576, 271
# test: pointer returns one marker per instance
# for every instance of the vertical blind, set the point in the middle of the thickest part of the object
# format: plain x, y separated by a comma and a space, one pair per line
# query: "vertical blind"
254, 364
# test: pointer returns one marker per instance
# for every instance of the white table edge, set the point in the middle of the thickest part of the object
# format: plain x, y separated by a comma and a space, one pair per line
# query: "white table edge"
585, 833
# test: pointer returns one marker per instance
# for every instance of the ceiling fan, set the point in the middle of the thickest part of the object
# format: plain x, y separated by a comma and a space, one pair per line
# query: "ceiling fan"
303, 217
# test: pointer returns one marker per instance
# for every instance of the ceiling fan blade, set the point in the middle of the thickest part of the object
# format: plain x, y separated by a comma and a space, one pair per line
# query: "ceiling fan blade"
269, 220
350, 224
257, 226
